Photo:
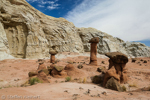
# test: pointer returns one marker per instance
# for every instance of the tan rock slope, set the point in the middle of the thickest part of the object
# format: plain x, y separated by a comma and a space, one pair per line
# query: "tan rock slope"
27, 33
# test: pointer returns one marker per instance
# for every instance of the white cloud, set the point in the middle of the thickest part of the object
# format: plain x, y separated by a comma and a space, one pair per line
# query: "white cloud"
43, 3
53, 6
41, 6
126, 19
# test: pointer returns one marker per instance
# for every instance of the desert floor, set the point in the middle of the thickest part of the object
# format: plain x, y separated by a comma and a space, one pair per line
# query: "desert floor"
14, 72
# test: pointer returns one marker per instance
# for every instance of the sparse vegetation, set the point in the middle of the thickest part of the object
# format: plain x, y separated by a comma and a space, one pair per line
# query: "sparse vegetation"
84, 80
124, 88
1, 80
34, 80
68, 78
132, 85
62, 82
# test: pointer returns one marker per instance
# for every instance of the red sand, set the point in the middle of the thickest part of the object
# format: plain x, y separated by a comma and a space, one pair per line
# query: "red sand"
14, 72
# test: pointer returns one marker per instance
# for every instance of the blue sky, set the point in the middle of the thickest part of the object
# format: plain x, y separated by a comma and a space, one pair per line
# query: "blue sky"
126, 19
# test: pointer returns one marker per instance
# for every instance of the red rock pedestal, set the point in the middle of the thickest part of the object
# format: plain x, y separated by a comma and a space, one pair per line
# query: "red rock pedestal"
117, 70
93, 52
52, 59
53, 53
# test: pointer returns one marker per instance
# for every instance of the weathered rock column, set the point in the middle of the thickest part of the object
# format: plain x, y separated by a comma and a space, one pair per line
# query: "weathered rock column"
41, 66
93, 53
53, 53
117, 70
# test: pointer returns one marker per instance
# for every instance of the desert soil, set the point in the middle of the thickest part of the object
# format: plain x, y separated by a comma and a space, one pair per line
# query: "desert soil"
14, 72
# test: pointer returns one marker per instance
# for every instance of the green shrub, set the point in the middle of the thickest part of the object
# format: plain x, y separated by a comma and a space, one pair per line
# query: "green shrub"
68, 78
124, 88
34, 80
84, 80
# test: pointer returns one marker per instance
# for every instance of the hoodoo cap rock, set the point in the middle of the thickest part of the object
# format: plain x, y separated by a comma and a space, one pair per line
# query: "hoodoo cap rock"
53, 52
117, 57
94, 40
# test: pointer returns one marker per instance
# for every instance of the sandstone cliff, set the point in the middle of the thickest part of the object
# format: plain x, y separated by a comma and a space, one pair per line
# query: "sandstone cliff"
27, 33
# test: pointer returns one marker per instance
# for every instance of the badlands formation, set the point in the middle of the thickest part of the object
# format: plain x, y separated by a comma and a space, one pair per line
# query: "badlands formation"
28, 33
108, 72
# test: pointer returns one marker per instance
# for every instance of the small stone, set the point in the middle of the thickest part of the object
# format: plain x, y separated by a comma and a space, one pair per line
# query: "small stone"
76, 95
133, 60
138, 62
30, 74
88, 91
80, 66
103, 62
104, 93
93, 95
98, 95
74, 62
130, 94
102, 69
145, 61
141, 60
16, 79
66, 91
81, 88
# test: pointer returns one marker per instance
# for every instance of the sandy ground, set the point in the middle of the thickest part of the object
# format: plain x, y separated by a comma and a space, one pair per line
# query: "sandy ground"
14, 72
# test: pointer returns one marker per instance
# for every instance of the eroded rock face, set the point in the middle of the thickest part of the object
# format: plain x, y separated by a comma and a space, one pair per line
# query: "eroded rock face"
4, 47
31, 34
28, 33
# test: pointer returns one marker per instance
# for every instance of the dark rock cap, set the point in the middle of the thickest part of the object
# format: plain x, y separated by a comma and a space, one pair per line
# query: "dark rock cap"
117, 57
53, 52
41, 61
94, 40
59, 68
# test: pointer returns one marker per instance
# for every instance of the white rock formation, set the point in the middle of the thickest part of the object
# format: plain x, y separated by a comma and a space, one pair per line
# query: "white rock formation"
109, 43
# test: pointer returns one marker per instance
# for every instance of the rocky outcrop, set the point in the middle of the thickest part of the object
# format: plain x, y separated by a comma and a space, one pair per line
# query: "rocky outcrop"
109, 43
117, 67
28, 33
